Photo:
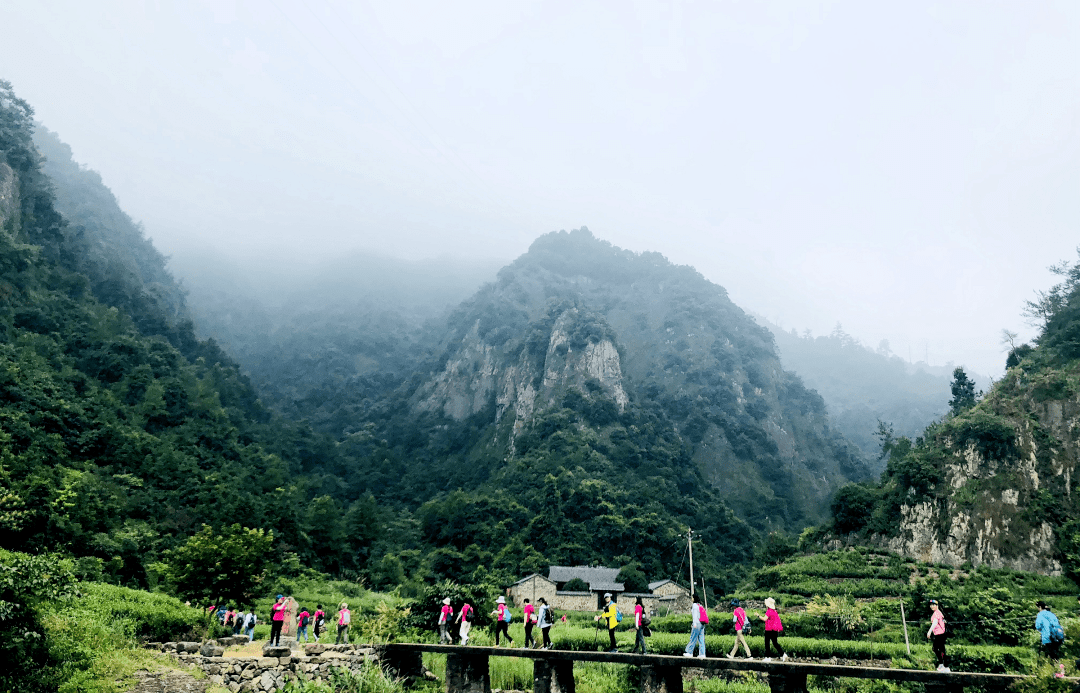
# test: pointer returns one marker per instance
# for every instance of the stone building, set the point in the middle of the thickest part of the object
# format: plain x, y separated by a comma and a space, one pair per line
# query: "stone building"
663, 597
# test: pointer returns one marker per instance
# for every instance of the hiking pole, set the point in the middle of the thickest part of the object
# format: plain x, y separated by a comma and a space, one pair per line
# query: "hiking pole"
596, 634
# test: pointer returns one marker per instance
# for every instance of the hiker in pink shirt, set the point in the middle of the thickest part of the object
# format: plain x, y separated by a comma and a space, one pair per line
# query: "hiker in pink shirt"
502, 623
773, 626
277, 619
465, 617
639, 625
738, 618
530, 621
343, 621
446, 615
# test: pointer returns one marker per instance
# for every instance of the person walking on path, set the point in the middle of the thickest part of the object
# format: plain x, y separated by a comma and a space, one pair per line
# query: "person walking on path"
936, 634
697, 629
502, 621
610, 616
277, 620
639, 626
773, 627
738, 617
343, 620
465, 617
1050, 631
530, 621
320, 621
238, 622
302, 621
446, 615
249, 625
545, 621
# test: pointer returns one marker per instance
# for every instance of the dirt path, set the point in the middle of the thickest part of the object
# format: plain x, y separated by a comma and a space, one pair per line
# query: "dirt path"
168, 681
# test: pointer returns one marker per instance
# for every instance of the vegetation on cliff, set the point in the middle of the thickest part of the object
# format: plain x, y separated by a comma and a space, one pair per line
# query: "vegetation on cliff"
142, 452
1005, 460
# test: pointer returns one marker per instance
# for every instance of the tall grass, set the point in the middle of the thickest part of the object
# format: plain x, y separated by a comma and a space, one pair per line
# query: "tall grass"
94, 639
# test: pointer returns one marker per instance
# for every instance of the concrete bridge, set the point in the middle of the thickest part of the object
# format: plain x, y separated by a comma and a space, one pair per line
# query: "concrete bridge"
553, 670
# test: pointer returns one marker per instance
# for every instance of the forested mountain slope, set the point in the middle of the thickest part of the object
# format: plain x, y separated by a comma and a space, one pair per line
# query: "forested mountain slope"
606, 335
325, 341
123, 434
995, 482
861, 386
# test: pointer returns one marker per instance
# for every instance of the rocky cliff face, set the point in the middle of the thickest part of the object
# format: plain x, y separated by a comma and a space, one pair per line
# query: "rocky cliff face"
9, 198
578, 323
1004, 491
993, 485
523, 383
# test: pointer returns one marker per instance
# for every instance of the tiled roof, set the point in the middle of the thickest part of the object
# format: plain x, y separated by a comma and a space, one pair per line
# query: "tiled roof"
654, 585
607, 586
530, 577
597, 577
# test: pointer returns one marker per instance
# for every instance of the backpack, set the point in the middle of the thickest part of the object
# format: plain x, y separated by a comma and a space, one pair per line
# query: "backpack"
645, 621
346, 618
551, 617
507, 615
304, 621
1057, 634
250, 623
618, 615
466, 613
704, 615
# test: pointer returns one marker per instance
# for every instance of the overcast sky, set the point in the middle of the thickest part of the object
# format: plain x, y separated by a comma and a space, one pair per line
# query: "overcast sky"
908, 169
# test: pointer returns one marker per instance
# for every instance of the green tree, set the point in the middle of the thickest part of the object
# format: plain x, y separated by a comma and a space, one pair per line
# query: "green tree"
326, 531
963, 392
633, 578
230, 565
852, 507
777, 548
27, 583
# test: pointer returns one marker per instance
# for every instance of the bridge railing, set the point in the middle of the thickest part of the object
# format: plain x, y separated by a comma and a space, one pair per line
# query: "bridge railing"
468, 670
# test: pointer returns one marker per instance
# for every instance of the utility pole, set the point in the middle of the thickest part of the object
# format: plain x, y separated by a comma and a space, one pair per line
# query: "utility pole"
690, 544
904, 619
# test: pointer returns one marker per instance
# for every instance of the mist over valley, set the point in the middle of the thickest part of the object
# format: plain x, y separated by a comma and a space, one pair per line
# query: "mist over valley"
345, 316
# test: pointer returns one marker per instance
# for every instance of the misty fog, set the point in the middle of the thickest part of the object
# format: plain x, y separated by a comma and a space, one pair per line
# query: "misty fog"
908, 170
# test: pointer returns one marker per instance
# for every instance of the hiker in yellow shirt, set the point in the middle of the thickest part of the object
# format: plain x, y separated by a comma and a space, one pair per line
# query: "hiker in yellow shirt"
611, 615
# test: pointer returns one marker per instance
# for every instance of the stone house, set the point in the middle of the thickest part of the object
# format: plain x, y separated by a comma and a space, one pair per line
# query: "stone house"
664, 596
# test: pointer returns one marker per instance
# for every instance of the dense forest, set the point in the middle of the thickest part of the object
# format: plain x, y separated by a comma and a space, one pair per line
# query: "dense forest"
993, 482
702, 368
133, 446
862, 386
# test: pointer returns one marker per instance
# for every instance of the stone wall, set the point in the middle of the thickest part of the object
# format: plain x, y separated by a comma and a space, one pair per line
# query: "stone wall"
532, 589
274, 669
574, 601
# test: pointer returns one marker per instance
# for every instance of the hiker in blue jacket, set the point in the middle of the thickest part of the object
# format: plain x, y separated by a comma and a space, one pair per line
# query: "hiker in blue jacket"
1050, 629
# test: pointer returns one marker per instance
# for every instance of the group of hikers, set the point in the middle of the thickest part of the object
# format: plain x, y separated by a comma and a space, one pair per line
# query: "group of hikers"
611, 616
243, 622
542, 615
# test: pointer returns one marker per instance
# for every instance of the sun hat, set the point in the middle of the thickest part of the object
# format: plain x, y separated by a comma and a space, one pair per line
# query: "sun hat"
500, 600
770, 603
607, 594
446, 600
281, 596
